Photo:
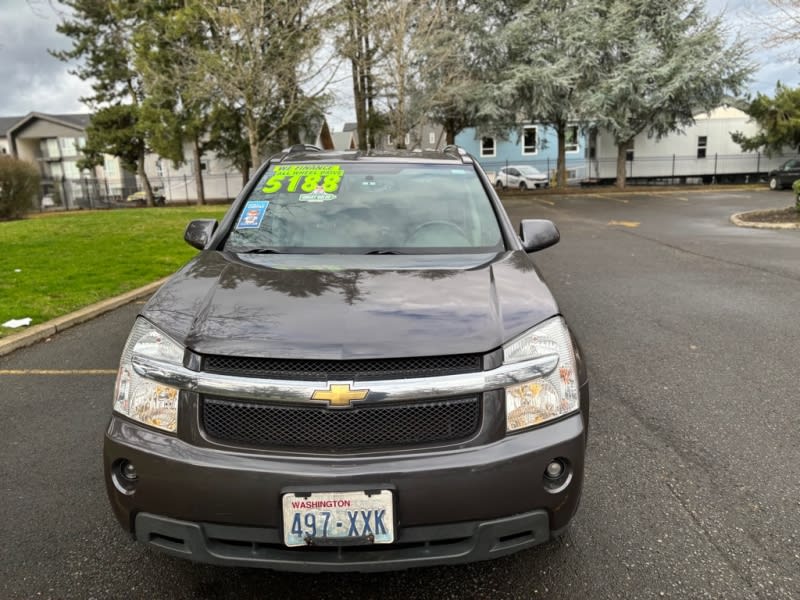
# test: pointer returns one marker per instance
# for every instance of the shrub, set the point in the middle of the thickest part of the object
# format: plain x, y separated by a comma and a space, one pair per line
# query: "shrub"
796, 189
19, 185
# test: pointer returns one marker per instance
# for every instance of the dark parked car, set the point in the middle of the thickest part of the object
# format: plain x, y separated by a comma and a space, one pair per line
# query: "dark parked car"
361, 370
785, 175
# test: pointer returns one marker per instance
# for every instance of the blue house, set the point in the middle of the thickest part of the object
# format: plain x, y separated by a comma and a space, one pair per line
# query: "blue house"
530, 144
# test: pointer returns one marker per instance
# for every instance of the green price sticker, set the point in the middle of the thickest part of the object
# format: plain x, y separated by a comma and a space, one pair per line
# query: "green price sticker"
304, 179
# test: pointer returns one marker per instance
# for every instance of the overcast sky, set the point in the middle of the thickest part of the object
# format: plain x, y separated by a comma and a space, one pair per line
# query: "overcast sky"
32, 80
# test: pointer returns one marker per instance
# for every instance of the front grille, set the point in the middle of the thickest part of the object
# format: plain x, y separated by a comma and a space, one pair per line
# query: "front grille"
312, 427
354, 369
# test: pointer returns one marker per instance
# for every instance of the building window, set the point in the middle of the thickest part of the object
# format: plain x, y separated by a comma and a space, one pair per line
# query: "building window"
71, 170
52, 148
408, 140
571, 139
488, 147
431, 138
68, 146
529, 139
389, 141
110, 166
702, 144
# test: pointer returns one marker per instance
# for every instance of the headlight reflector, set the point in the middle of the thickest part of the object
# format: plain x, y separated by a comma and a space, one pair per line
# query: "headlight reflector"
544, 398
141, 399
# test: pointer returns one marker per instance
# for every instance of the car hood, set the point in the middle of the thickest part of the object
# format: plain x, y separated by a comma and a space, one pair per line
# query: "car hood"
349, 307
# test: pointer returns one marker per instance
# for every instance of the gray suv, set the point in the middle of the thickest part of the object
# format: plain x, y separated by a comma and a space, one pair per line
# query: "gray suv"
361, 370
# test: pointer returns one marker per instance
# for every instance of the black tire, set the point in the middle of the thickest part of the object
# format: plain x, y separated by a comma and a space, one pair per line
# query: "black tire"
522, 186
499, 185
774, 184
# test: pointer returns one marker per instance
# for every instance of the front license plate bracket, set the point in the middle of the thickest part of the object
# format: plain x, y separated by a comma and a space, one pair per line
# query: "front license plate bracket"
346, 518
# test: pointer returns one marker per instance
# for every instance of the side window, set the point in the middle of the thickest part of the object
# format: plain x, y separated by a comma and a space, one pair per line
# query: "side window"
529, 140
571, 139
488, 147
702, 145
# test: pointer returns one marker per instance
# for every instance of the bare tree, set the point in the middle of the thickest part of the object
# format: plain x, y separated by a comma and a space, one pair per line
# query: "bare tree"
263, 59
782, 25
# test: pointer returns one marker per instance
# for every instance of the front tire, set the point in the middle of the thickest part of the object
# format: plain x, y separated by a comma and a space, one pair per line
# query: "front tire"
522, 186
774, 184
499, 185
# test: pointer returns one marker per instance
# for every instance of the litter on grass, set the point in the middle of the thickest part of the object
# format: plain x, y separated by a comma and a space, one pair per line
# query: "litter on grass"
14, 323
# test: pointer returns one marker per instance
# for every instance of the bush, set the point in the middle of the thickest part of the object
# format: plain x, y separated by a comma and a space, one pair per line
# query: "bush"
796, 189
19, 185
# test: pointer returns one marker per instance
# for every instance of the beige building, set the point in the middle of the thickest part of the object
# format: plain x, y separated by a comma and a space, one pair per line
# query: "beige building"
53, 143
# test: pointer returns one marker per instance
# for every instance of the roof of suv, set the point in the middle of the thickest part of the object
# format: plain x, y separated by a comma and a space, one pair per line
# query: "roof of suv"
449, 155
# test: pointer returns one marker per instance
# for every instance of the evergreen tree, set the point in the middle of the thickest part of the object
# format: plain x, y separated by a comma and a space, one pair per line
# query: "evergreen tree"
779, 119
102, 47
551, 56
661, 62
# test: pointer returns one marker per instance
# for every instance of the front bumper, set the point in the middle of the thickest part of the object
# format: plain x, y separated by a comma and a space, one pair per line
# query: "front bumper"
230, 545
454, 505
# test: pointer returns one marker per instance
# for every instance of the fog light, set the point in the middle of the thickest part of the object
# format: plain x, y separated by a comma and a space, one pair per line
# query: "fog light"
554, 470
129, 471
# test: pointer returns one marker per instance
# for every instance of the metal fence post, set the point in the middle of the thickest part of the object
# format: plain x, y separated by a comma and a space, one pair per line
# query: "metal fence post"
758, 164
673, 168
715, 166
186, 188
227, 193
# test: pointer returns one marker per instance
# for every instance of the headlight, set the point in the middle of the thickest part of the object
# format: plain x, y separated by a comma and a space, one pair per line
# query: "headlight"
147, 401
538, 400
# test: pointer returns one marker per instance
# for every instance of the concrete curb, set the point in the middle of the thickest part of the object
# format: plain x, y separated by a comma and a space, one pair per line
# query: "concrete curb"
739, 219
45, 330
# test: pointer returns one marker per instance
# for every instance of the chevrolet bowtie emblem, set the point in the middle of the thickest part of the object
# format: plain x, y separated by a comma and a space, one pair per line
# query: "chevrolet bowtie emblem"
339, 394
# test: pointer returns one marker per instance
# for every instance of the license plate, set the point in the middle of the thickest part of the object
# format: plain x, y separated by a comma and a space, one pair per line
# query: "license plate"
333, 518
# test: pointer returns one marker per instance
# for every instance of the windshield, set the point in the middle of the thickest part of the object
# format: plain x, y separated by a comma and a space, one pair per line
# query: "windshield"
529, 171
367, 207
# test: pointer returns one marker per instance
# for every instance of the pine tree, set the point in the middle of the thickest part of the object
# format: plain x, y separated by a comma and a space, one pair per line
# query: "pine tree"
102, 34
661, 63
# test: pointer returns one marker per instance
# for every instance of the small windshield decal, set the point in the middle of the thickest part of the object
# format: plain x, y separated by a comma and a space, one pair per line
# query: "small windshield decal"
318, 195
252, 215
302, 179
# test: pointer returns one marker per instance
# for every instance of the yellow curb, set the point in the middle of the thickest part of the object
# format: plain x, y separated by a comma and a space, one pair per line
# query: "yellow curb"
739, 219
45, 330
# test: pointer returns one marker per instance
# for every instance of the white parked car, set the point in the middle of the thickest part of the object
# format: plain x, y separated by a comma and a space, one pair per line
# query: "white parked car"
520, 176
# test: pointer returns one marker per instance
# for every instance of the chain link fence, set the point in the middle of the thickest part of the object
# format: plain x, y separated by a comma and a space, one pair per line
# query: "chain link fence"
99, 193
666, 170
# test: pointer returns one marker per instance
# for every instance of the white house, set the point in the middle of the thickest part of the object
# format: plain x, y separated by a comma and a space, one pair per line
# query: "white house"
703, 152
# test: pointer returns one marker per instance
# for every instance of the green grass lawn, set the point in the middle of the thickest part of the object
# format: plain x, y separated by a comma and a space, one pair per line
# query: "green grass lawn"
53, 264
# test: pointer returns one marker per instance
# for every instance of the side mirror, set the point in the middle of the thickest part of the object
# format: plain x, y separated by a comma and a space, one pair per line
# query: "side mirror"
199, 232
538, 234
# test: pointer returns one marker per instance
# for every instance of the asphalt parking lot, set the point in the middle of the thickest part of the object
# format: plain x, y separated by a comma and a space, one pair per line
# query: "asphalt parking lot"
690, 326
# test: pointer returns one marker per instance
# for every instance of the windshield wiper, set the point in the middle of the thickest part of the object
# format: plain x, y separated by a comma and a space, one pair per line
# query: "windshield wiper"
384, 252
262, 251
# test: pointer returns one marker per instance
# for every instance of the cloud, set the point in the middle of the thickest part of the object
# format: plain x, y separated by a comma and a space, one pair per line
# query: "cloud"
32, 79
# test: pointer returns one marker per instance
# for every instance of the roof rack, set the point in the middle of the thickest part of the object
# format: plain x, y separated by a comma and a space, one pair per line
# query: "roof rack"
456, 150
302, 148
